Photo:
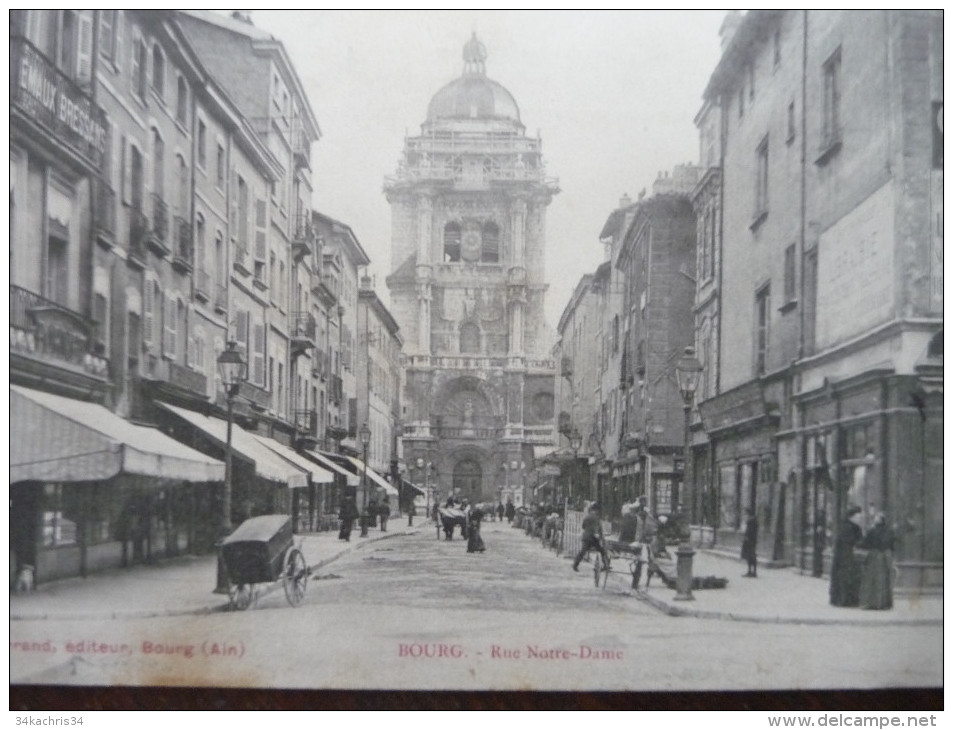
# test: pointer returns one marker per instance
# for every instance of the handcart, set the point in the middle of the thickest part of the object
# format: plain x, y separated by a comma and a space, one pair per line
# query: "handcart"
260, 551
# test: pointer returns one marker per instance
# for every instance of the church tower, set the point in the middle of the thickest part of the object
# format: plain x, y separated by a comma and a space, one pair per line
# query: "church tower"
468, 206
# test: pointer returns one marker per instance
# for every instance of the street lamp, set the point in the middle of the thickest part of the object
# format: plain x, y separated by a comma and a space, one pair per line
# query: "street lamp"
687, 372
233, 369
365, 434
575, 443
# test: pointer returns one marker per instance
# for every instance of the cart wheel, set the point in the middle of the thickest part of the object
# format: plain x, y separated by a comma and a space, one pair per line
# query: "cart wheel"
295, 577
240, 595
597, 568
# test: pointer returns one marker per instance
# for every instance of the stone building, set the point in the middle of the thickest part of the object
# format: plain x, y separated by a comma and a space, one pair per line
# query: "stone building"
467, 284
827, 388
657, 258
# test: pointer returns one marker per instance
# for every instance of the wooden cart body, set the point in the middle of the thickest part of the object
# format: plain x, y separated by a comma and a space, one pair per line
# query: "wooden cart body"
255, 552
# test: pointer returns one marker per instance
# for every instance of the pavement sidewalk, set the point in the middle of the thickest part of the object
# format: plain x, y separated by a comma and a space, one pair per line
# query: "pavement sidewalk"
777, 595
177, 586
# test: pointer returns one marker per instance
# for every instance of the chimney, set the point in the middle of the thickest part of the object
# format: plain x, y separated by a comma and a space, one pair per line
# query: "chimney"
625, 201
728, 27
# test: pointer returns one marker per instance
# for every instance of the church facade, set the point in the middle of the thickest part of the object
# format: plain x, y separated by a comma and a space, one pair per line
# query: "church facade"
467, 287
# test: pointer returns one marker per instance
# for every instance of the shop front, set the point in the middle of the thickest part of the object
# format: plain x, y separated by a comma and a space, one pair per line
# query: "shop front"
90, 490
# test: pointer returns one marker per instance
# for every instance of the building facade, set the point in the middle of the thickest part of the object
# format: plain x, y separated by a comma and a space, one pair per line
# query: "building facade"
829, 286
467, 285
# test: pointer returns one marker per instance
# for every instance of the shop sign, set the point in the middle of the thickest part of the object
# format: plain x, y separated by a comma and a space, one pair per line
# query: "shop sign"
56, 103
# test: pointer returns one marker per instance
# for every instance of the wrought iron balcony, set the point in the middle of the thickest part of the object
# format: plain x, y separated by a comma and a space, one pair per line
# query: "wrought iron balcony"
306, 423
300, 146
166, 371
319, 364
105, 213
45, 330
182, 255
138, 233
303, 328
302, 236
159, 230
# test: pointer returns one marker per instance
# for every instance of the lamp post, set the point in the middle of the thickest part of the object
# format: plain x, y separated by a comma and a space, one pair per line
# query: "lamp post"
687, 371
575, 443
232, 368
365, 434
422, 466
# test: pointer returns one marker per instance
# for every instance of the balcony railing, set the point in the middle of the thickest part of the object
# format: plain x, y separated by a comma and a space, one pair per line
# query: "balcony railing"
138, 233
167, 371
56, 104
300, 146
182, 255
319, 364
302, 236
46, 330
303, 325
159, 231
203, 285
105, 202
306, 423
253, 394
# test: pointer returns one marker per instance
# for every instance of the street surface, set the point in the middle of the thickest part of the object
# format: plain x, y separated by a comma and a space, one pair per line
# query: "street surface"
416, 612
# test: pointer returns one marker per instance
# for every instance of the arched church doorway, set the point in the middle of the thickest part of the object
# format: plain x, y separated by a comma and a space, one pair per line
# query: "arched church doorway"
468, 480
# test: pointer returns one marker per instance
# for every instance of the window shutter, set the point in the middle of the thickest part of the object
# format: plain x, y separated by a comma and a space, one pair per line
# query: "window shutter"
106, 33
258, 363
135, 75
84, 48
168, 321
241, 330
125, 171
261, 241
117, 35
148, 308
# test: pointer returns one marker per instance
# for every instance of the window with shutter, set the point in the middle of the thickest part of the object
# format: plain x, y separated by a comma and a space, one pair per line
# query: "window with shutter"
258, 357
84, 48
117, 39
148, 310
170, 327
241, 330
261, 237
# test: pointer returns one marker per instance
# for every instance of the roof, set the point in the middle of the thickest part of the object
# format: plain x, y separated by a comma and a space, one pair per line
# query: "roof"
749, 34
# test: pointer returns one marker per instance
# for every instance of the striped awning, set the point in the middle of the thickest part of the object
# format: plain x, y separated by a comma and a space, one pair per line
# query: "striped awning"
348, 471
375, 477
57, 439
319, 475
268, 464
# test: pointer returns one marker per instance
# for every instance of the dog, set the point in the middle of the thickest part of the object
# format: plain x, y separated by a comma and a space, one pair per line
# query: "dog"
25, 579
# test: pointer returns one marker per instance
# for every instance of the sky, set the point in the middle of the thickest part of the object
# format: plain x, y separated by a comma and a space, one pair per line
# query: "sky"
613, 94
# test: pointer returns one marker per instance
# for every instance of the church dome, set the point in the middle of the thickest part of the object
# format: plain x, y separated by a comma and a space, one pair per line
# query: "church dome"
473, 95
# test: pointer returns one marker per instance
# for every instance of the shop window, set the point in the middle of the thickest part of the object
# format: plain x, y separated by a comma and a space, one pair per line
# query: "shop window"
60, 515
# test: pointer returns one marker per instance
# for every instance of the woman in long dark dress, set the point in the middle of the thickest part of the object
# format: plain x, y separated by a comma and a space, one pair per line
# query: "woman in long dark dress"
845, 572
474, 540
749, 546
876, 584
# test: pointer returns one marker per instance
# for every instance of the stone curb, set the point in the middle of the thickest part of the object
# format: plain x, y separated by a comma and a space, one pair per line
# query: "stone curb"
198, 611
678, 611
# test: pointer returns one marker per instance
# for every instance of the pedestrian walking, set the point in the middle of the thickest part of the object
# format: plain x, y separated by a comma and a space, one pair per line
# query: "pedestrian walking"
749, 545
592, 537
500, 510
384, 512
475, 542
347, 515
510, 511
646, 533
368, 517
876, 583
845, 573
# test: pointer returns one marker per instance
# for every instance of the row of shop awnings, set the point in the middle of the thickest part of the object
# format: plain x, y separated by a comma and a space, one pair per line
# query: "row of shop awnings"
57, 439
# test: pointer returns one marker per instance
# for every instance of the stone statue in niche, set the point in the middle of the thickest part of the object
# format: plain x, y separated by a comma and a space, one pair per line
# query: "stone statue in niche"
468, 412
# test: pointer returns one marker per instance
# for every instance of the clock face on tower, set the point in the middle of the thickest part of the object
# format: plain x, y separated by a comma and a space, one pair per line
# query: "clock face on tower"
471, 244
